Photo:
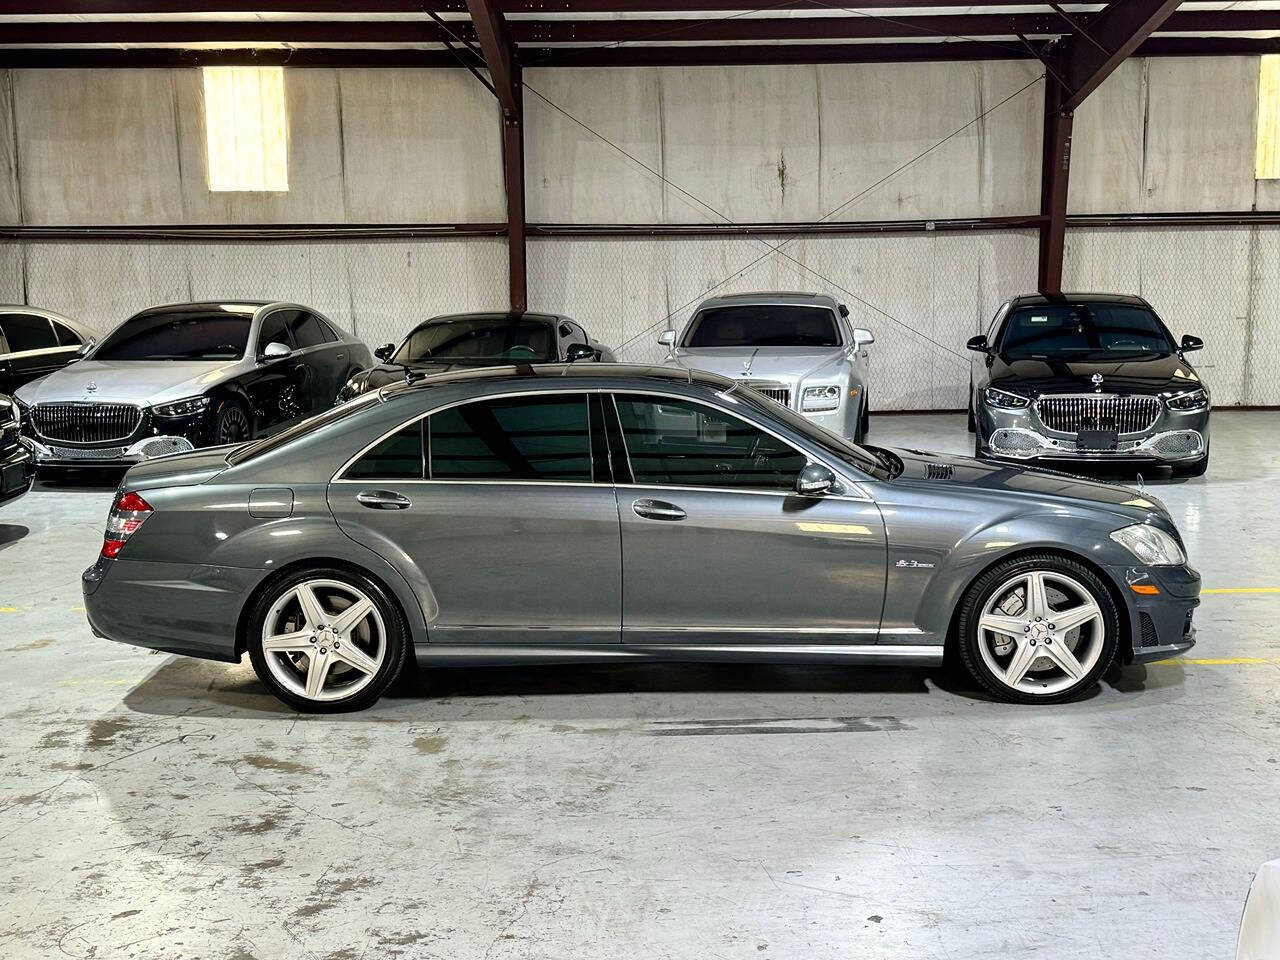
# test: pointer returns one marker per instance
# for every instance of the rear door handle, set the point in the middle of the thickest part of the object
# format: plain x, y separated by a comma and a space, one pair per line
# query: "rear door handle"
657, 510
382, 500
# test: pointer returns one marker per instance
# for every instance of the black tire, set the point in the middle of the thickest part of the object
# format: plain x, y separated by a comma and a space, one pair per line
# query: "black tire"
970, 638
393, 654
977, 447
860, 428
972, 423
866, 414
230, 424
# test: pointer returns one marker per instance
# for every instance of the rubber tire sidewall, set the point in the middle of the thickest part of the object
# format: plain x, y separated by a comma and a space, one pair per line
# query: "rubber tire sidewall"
392, 619
980, 591
215, 430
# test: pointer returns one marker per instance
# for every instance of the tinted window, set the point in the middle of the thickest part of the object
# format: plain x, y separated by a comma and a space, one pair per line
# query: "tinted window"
680, 443
27, 332
1083, 328
216, 335
66, 336
399, 457
516, 438
763, 326
306, 330
480, 340
273, 331
330, 335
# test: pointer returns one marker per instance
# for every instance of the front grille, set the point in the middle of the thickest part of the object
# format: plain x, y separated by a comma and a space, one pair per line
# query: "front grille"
1149, 636
1069, 414
94, 454
778, 392
86, 422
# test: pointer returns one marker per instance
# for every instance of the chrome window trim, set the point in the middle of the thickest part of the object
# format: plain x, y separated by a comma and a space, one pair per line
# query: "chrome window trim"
840, 471
41, 351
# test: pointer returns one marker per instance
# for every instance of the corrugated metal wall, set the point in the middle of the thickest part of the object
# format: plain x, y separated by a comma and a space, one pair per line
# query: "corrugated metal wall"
753, 144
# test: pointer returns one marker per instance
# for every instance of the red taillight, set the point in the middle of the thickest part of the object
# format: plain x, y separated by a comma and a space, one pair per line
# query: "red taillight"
126, 516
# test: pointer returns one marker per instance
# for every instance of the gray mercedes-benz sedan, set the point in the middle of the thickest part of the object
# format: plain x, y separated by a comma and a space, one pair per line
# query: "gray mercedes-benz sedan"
549, 514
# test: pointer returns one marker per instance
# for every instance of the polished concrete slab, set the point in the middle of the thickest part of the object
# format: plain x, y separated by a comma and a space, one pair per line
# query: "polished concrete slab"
156, 807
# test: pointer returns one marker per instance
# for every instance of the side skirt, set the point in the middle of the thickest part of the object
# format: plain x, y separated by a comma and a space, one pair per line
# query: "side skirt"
468, 654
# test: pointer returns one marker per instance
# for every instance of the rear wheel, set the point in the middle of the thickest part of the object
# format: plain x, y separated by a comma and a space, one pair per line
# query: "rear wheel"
325, 640
1038, 629
866, 415
972, 423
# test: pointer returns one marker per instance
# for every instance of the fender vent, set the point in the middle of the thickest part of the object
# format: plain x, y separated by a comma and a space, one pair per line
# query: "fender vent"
940, 471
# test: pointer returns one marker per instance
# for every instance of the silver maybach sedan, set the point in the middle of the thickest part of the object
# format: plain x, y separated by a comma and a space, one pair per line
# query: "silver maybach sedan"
798, 349
559, 513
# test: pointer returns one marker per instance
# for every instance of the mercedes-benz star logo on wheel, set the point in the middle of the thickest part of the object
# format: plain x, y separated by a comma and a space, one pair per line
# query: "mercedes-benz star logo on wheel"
91, 386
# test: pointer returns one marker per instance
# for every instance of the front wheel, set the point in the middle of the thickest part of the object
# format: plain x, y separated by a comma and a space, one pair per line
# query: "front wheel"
326, 640
1038, 629
231, 425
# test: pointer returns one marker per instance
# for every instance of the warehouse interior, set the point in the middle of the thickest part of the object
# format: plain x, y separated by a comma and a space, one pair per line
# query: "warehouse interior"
617, 162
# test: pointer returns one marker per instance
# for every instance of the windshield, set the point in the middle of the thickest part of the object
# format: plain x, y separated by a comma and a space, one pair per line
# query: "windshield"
846, 451
763, 326
257, 448
216, 335
480, 340
1058, 329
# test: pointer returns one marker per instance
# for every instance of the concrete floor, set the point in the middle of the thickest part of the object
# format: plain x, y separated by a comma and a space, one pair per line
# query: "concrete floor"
156, 807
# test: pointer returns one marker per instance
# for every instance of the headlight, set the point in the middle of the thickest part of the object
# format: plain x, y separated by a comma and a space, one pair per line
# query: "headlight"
995, 397
1195, 400
1150, 544
817, 399
182, 408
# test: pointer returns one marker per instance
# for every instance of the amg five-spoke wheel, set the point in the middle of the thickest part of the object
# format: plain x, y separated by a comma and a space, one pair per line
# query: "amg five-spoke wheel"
326, 640
1038, 629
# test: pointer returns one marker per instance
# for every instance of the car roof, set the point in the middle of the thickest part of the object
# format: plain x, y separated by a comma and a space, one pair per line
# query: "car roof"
1036, 299
231, 305
497, 316
769, 298
620, 375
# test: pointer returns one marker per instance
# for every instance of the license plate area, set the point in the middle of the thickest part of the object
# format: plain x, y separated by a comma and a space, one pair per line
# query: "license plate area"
1098, 435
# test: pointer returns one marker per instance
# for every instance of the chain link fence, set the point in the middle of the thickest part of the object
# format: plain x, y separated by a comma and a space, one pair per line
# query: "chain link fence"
922, 295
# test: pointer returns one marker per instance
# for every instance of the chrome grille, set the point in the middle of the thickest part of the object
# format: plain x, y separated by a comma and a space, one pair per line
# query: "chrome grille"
778, 392
1129, 414
86, 422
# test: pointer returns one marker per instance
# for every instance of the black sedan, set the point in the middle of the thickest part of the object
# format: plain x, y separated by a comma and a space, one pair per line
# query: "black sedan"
17, 466
1087, 377
463, 340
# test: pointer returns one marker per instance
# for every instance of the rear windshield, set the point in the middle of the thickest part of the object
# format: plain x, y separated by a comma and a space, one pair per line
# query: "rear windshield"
479, 340
763, 326
257, 448
216, 335
1076, 329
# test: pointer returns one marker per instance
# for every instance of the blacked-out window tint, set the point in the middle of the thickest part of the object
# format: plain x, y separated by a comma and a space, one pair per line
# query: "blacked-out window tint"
273, 331
66, 336
306, 330
681, 443
27, 332
399, 457
515, 438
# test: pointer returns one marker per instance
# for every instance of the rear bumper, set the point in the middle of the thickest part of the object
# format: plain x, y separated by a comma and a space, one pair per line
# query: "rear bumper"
180, 608
1161, 624
17, 472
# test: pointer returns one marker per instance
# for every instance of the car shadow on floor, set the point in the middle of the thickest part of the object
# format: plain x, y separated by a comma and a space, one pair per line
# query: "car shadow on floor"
79, 480
11, 533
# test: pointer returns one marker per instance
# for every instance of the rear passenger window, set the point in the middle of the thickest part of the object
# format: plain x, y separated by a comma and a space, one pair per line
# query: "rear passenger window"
306, 330
398, 457
515, 438
66, 336
25, 331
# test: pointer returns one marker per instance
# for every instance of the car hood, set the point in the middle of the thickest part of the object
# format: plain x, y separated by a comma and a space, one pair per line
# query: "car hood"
766, 363
141, 382
956, 471
1131, 373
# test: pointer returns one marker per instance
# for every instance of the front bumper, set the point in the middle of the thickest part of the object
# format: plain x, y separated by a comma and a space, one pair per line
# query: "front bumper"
1160, 625
17, 472
154, 437
1018, 436
188, 609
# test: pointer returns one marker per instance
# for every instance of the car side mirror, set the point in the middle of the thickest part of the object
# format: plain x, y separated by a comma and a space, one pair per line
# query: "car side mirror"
581, 351
86, 347
815, 480
1190, 343
385, 351
667, 337
978, 344
862, 337
275, 351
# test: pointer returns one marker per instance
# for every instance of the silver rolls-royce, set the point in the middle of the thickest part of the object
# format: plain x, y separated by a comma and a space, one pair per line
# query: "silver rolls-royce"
798, 349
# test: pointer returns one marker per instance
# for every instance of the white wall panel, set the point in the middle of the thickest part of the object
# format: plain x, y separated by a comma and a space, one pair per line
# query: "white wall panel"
571, 174
1107, 145
1011, 135
420, 146
97, 146
10, 209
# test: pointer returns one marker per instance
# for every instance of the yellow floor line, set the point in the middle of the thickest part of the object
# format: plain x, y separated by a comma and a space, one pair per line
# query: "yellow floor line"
8, 609
1240, 590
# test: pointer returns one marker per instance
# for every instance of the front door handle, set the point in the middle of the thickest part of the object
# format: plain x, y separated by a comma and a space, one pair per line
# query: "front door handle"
382, 500
657, 510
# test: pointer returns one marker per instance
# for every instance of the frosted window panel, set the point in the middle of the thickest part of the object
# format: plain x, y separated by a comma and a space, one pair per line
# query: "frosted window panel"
246, 133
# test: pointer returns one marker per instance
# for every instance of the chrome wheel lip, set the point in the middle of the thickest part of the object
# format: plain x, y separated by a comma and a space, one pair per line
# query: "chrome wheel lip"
275, 645
1041, 641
